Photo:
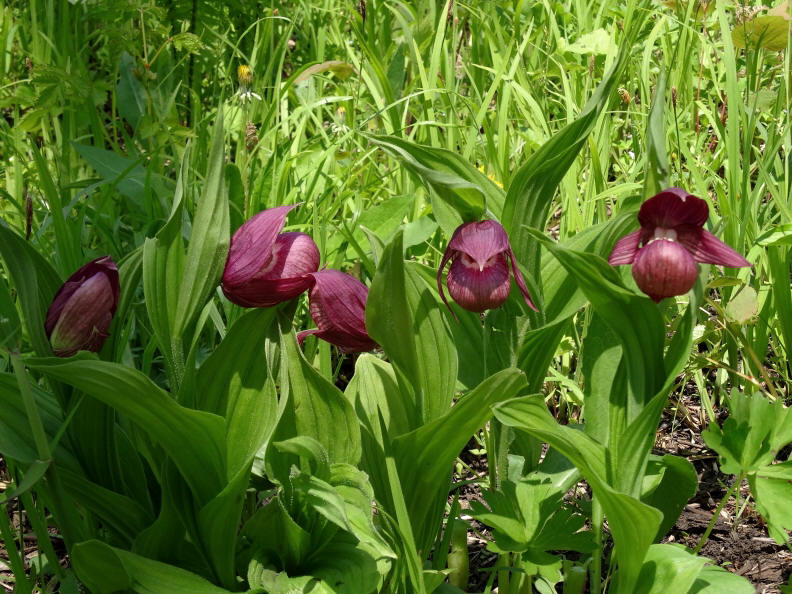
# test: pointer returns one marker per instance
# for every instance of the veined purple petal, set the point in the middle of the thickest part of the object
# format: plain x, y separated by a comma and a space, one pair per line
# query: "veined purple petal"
671, 208
85, 316
103, 265
480, 241
264, 292
624, 250
292, 254
478, 290
706, 248
283, 276
337, 304
520, 281
664, 268
251, 244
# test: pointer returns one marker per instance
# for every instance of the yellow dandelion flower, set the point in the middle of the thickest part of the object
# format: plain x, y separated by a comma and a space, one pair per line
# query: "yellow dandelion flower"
244, 75
491, 177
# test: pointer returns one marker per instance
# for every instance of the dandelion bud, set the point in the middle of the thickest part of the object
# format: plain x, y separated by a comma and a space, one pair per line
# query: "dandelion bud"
244, 75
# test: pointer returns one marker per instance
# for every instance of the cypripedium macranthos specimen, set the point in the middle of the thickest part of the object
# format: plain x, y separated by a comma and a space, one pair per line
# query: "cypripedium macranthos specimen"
337, 304
265, 267
82, 309
664, 251
478, 278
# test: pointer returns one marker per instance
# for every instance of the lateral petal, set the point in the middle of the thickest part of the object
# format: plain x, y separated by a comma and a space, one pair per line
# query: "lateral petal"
708, 249
625, 249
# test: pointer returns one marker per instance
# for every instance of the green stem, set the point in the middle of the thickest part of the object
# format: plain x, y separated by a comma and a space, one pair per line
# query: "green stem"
21, 584
716, 513
34, 420
596, 557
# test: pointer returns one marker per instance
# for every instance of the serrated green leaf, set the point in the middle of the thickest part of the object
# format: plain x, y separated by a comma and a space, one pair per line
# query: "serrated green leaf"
633, 524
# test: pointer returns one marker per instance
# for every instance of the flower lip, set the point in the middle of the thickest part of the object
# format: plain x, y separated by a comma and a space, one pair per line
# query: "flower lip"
676, 215
475, 289
664, 268
482, 243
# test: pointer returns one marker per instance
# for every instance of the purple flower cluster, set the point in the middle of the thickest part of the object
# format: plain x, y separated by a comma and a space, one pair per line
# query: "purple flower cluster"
265, 267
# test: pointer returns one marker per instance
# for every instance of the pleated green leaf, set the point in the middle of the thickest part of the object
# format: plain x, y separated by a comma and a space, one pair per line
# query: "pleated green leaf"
403, 314
455, 181
632, 524
193, 439
209, 238
35, 281
424, 456
104, 569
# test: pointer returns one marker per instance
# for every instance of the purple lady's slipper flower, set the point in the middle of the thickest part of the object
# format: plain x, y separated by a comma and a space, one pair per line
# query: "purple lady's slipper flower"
265, 267
81, 311
337, 304
664, 251
478, 278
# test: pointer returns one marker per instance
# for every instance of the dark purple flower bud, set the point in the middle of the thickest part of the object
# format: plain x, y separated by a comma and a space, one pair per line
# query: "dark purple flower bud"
664, 251
81, 311
265, 267
337, 304
478, 278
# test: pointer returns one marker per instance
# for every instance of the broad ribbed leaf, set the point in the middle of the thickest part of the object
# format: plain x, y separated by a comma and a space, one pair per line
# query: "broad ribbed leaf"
35, 281
193, 439
667, 485
635, 320
424, 456
103, 568
163, 266
668, 568
656, 177
209, 238
403, 314
16, 440
235, 383
716, 580
455, 181
315, 408
116, 512
632, 524
533, 186
389, 322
